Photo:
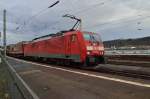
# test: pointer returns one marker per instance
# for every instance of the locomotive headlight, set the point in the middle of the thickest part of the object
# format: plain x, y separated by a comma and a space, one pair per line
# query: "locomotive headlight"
94, 44
100, 48
88, 53
89, 48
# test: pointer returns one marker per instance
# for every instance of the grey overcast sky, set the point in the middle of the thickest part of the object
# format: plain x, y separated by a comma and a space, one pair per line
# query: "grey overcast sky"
112, 19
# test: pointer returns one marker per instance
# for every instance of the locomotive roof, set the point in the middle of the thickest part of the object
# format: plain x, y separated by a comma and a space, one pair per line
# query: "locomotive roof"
53, 35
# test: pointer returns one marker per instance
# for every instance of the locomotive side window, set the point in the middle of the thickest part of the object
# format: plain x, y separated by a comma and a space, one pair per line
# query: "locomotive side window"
73, 38
87, 36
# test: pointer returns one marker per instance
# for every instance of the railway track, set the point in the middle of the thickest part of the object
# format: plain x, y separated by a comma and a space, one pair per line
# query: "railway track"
122, 70
128, 73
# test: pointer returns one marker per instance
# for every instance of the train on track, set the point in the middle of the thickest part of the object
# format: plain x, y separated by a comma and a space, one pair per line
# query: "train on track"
64, 47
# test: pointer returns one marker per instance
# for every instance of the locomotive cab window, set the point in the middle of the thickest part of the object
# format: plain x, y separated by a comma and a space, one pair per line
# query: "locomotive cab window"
92, 37
86, 36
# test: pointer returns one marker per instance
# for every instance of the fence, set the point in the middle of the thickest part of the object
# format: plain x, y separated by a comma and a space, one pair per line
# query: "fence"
127, 52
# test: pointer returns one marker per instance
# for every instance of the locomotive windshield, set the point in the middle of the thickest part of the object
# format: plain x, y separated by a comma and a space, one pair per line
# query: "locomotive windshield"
92, 37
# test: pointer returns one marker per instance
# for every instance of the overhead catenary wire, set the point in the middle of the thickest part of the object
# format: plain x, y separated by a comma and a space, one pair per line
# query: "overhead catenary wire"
93, 6
96, 5
29, 20
101, 24
120, 21
26, 22
37, 14
125, 21
140, 17
85, 10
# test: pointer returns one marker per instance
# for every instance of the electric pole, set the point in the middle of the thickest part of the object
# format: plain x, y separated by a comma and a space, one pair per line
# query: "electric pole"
0, 36
4, 32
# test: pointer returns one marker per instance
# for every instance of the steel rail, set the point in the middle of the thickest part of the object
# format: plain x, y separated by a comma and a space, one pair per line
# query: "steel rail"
122, 72
128, 71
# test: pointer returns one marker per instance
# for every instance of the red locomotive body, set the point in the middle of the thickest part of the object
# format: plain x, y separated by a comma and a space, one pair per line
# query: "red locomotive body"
73, 46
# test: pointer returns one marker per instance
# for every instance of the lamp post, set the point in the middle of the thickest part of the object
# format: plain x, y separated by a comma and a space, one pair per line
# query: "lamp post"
4, 32
0, 36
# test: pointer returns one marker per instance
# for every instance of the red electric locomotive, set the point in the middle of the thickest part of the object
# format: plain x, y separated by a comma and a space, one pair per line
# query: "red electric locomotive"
73, 46
65, 46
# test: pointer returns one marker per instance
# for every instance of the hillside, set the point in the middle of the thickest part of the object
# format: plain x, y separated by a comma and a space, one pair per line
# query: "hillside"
138, 42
